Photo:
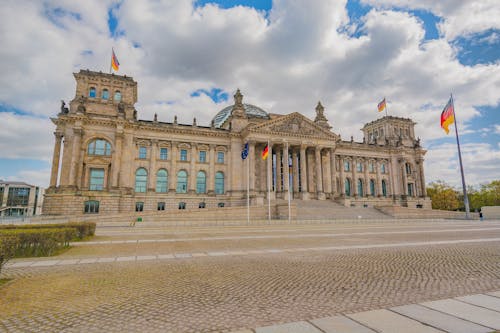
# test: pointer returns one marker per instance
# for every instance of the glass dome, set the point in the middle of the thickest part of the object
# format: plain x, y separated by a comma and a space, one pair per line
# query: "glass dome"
251, 111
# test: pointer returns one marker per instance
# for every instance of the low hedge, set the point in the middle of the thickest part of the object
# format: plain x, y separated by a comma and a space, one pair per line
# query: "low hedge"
83, 229
24, 242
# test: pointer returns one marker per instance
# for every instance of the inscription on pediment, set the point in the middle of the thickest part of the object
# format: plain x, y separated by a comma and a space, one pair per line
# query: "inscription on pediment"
295, 126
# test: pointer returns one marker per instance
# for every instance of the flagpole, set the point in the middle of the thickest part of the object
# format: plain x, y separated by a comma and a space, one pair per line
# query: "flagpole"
288, 166
269, 184
385, 107
248, 190
111, 61
466, 198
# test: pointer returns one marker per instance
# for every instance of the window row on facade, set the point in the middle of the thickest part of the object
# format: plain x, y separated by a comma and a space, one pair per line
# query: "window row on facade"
105, 94
360, 167
361, 189
162, 178
92, 206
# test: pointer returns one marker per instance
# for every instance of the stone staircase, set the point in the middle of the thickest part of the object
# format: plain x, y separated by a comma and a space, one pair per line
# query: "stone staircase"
330, 210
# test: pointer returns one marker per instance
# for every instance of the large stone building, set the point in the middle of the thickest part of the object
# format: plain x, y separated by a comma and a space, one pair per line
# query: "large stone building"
106, 160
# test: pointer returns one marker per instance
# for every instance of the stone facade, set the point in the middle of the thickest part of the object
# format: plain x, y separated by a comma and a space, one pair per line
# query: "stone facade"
106, 160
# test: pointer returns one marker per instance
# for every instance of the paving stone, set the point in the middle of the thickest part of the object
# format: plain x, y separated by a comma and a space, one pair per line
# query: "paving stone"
147, 257
385, 321
19, 264
340, 324
108, 259
439, 320
45, 263
68, 262
296, 327
469, 312
89, 260
495, 294
165, 256
128, 258
183, 255
490, 302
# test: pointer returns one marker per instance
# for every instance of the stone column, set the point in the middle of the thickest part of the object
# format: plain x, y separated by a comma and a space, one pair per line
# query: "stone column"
152, 165
319, 173
422, 178
379, 180
405, 177
55, 159
192, 169
79, 168
75, 156
295, 171
66, 161
211, 170
341, 177
251, 159
172, 177
286, 172
354, 182
367, 178
333, 172
327, 172
116, 161
303, 172
278, 170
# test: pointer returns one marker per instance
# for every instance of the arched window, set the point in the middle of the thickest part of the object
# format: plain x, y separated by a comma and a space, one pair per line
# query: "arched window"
372, 187
348, 187
162, 181
360, 187
382, 168
99, 147
92, 92
118, 96
141, 180
408, 168
182, 181
384, 188
201, 182
219, 183
105, 94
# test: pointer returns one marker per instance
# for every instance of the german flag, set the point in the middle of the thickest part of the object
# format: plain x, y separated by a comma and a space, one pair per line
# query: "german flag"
265, 152
114, 61
448, 116
381, 105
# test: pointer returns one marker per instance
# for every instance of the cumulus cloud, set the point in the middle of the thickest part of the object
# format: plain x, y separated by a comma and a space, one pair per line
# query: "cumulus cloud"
284, 61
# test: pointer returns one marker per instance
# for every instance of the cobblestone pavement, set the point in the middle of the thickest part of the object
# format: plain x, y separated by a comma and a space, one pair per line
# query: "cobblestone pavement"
226, 293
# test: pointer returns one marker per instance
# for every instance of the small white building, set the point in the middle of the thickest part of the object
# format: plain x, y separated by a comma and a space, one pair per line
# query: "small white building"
20, 199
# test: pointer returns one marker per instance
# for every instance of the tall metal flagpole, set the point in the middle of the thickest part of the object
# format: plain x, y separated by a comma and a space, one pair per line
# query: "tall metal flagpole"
466, 198
248, 189
269, 184
288, 166
111, 61
385, 107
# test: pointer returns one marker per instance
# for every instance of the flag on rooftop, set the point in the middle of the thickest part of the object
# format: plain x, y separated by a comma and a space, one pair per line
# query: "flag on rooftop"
381, 105
447, 116
114, 61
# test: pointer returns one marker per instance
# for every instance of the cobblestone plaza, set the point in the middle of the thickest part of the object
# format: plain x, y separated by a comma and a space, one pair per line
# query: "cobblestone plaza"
223, 279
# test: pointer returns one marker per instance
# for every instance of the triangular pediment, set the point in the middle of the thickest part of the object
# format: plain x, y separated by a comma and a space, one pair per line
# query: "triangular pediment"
293, 124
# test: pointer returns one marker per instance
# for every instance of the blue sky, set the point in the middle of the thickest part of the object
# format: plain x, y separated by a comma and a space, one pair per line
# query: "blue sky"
189, 57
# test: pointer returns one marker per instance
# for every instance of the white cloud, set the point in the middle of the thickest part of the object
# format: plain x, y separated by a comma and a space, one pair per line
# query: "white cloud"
460, 18
497, 129
285, 62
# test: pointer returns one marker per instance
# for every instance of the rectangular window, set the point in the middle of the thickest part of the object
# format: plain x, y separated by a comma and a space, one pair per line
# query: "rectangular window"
410, 189
382, 168
203, 156
220, 157
347, 166
139, 206
1, 195
143, 152
163, 153
371, 167
161, 206
359, 166
91, 207
18, 196
184, 155
96, 179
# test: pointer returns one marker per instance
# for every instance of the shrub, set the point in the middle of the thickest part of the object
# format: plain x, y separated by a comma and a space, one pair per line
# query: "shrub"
8, 245
36, 242
83, 229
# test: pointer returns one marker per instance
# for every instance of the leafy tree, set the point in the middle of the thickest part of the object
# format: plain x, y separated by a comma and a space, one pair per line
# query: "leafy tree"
443, 196
488, 195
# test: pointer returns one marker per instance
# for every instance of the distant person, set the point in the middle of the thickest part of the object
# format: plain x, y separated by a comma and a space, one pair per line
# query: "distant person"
480, 215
